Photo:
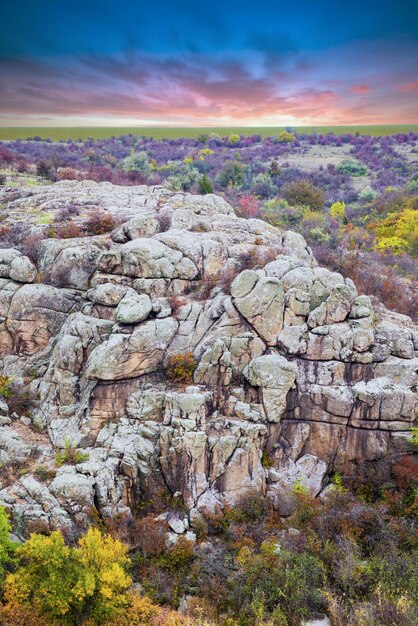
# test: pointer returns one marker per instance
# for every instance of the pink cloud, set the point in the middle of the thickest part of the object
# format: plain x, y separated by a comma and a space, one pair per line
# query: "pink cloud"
409, 86
360, 89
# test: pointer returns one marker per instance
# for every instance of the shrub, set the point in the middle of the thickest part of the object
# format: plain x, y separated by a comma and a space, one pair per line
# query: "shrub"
248, 206
164, 221
395, 244
151, 537
13, 615
45, 170
7, 547
6, 156
252, 507
183, 178
68, 231
205, 185
143, 612
266, 459
180, 368
20, 401
368, 194
285, 137
274, 169
99, 223
5, 232
5, 386
137, 162
398, 232
201, 227
414, 436
284, 579
337, 210
67, 212
44, 474
2, 179
86, 581
68, 173
352, 167
31, 245
70, 455
179, 555
233, 174
304, 193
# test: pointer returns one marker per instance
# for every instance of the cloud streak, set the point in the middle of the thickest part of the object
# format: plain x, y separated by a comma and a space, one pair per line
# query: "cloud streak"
283, 87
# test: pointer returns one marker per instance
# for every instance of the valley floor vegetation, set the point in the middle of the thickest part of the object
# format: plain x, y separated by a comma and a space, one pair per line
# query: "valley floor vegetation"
353, 197
351, 555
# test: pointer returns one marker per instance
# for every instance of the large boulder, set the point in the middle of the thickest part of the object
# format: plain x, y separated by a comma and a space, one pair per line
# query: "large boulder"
129, 356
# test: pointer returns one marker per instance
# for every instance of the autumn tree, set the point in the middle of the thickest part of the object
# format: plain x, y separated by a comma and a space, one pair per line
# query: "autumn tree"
7, 547
71, 584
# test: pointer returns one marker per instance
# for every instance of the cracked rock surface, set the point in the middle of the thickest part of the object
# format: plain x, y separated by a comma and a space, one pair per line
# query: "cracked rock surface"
297, 375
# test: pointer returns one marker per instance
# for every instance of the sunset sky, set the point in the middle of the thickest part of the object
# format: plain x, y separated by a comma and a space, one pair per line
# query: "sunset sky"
222, 63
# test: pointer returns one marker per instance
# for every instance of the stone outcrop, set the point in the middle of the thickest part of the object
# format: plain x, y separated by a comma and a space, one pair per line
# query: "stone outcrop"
297, 376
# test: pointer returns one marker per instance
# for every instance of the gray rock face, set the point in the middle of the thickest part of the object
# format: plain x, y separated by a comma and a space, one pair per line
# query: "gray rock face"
275, 375
263, 308
133, 308
16, 266
133, 355
286, 361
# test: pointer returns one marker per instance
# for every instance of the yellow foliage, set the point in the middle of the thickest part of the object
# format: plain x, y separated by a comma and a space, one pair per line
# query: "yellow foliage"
394, 244
398, 232
64, 582
285, 137
180, 368
337, 210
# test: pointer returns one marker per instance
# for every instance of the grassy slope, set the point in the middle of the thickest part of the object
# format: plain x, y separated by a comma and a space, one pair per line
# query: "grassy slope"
10, 133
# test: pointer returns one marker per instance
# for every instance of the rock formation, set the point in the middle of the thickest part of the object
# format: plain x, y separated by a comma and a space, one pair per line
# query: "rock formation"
297, 376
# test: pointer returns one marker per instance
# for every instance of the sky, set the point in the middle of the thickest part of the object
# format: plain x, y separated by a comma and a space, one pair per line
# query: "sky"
212, 63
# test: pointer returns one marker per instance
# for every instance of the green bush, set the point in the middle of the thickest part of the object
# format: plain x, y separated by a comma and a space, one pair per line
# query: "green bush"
205, 185
5, 387
368, 194
183, 178
7, 547
44, 473
70, 455
233, 174
304, 193
137, 162
414, 436
284, 579
352, 167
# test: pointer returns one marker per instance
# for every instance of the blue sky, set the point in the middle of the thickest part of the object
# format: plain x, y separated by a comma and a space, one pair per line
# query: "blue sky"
194, 63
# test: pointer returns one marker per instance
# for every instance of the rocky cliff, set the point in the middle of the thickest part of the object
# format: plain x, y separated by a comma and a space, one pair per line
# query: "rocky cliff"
295, 376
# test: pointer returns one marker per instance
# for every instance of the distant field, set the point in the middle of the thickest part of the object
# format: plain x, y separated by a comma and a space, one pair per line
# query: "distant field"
10, 133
